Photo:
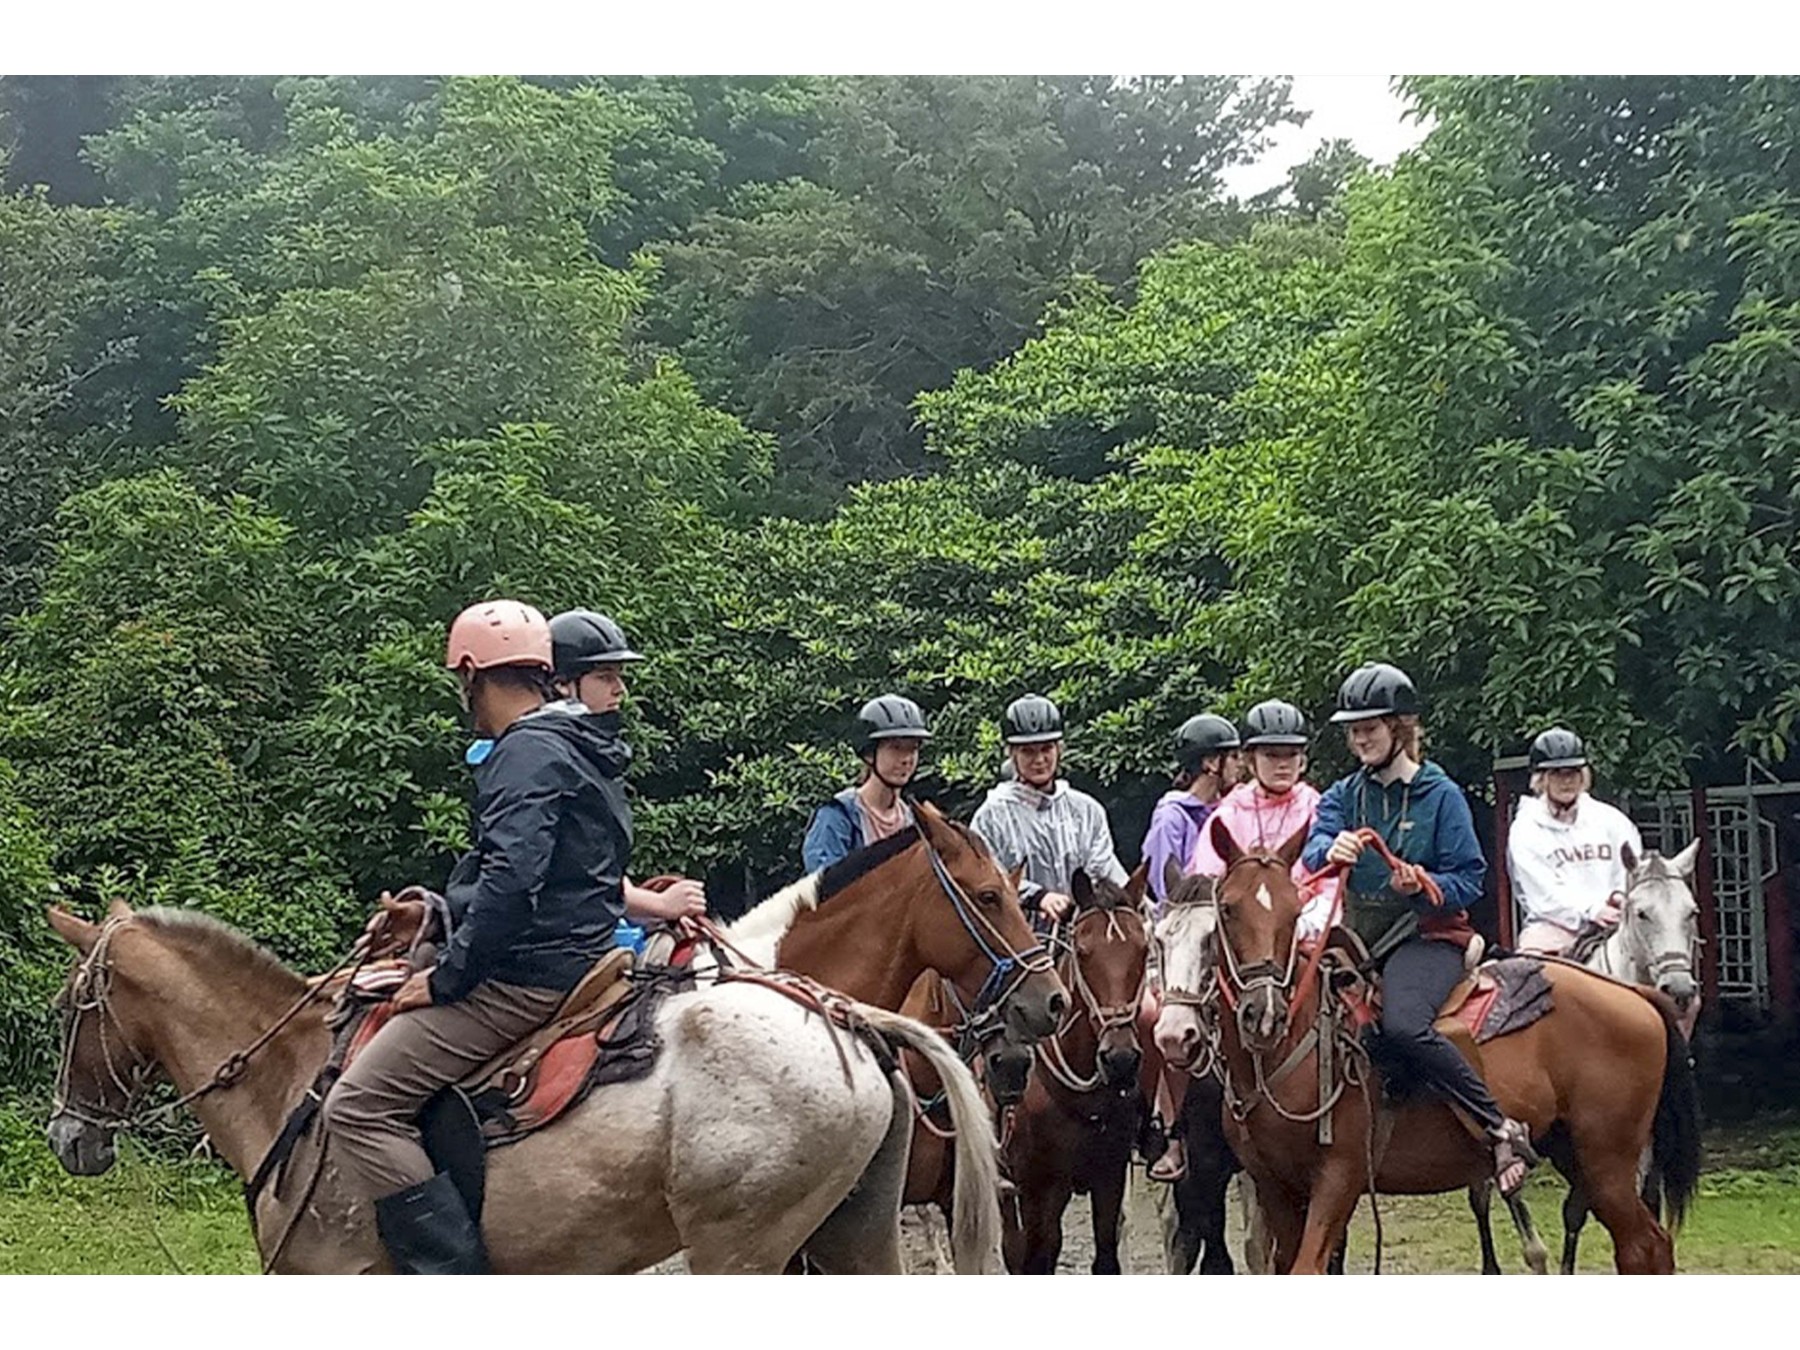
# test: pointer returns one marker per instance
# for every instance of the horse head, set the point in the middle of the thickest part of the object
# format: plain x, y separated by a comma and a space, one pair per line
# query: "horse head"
107, 1057
1184, 941
1109, 955
980, 940
1660, 922
1259, 908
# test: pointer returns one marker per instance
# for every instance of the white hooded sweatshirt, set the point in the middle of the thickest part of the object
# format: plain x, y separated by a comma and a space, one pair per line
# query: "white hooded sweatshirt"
1563, 871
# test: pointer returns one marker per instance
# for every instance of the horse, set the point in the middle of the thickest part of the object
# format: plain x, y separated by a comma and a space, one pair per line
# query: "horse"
1076, 1126
761, 1126
927, 922
1195, 1233
1657, 943
1597, 1079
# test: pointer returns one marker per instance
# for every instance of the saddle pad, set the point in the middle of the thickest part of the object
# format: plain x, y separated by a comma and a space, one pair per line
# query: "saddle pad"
1520, 997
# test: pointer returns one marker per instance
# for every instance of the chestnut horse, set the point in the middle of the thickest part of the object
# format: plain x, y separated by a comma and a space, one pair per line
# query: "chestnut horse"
1075, 1129
759, 1128
1600, 1078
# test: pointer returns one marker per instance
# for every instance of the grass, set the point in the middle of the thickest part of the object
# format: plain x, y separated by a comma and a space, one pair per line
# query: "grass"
156, 1214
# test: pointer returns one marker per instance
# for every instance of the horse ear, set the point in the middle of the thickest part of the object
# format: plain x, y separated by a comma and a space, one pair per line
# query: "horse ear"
1683, 862
935, 828
118, 909
1135, 883
1289, 853
1081, 889
1223, 844
77, 932
1628, 856
1172, 876
1016, 876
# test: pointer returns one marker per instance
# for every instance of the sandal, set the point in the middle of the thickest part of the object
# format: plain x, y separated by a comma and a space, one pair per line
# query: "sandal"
1513, 1156
1171, 1166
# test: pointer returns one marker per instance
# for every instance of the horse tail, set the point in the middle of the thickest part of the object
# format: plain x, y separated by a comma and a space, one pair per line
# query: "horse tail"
1675, 1138
975, 1204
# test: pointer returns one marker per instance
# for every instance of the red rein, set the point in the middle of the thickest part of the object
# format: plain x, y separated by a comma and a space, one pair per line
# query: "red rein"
1309, 885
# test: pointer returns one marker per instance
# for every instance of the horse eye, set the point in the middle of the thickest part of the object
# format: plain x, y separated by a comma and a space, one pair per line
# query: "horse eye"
988, 898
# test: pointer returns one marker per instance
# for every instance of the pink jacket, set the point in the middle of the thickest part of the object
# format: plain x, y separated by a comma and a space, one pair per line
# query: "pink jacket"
1257, 820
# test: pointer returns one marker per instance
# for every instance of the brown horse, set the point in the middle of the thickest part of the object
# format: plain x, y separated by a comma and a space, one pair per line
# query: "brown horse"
1076, 1126
1598, 1079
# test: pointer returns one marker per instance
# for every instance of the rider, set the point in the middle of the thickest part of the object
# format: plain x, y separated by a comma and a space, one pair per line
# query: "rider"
1037, 820
533, 905
1206, 759
1565, 852
590, 653
1424, 819
889, 733
1265, 812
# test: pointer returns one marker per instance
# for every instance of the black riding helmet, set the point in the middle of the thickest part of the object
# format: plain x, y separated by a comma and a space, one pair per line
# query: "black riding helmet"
1275, 723
1200, 736
581, 639
1376, 690
888, 717
1558, 748
1032, 719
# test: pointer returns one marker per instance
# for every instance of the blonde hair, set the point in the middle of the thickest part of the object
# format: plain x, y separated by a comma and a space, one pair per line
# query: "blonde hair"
1539, 780
1408, 735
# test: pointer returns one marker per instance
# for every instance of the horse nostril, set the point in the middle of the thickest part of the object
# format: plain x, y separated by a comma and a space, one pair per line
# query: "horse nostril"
1057, 1005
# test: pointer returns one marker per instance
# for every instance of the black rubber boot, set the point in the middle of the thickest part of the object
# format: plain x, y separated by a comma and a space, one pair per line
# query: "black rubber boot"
427, 1230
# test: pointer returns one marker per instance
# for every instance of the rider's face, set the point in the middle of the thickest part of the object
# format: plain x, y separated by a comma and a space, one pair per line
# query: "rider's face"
1563, 786
1036, 764
1277, 767
1371, 740
602, 688
897, 760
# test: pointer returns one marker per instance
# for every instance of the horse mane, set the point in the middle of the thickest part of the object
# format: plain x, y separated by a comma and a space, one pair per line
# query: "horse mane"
1654, 867
761, 929
1109, 895
203, 933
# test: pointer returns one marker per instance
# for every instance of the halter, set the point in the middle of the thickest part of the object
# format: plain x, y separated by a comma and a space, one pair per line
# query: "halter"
1103, 1017
1658, 966
1010, 966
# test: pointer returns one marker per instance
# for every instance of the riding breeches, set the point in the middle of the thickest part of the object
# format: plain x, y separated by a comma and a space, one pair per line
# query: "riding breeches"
1416, 980
371, 1113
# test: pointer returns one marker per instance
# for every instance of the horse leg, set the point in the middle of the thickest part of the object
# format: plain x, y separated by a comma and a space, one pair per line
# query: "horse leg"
1575, 1213
862, 1235
1105, 1200
1481, 1198
1640, 1244
1041, 1207
1337, 1187
1213, 1178
1537, 1256
1259, 1235
1182, 1237
1282, 1225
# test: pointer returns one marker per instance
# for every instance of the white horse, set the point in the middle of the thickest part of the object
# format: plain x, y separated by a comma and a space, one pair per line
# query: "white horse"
1657, 943
761, 1129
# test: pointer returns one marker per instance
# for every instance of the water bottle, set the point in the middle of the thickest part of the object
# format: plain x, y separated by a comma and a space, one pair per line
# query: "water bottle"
629, 934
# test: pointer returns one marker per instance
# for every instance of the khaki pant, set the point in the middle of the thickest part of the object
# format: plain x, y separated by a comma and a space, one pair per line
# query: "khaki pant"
371, 1113
1540, 937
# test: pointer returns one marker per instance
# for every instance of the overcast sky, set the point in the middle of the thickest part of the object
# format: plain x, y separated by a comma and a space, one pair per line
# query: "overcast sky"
1357, 107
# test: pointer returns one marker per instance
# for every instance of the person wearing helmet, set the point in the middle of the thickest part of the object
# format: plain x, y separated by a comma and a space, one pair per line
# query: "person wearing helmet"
888, 735
1206, 765
1037, 821
589, 653
529, 910
1424, 818
1565, 852
1277, 801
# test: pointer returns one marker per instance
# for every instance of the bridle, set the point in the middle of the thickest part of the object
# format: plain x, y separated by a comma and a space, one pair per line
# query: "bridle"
1658, 966
91, 991
1009, 967
1101, 1016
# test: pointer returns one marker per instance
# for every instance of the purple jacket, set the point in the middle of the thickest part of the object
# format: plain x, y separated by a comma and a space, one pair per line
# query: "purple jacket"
1174, 832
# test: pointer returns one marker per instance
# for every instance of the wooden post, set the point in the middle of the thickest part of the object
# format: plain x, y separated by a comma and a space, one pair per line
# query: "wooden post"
1703, 894
1502, 881
1781, 951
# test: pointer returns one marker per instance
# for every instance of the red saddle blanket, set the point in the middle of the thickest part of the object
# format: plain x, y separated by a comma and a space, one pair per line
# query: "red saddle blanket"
1500, 997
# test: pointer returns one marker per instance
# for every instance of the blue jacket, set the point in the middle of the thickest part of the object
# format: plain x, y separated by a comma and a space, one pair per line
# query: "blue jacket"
1426, 821
836, 831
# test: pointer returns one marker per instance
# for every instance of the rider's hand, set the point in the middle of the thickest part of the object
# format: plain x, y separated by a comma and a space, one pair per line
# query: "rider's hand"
1405, 879
395, 925
1345, 849
1611, 912
415, 993
684, 899
1054, 906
